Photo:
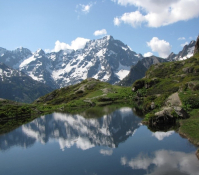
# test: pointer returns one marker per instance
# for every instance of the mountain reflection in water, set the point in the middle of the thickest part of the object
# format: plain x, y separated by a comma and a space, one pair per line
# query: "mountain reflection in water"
69, 130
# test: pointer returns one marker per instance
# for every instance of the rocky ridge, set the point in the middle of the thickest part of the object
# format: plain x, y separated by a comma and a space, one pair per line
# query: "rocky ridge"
187, 52
105, 59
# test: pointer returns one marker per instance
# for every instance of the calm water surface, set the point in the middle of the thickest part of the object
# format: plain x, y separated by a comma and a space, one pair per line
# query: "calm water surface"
115, 143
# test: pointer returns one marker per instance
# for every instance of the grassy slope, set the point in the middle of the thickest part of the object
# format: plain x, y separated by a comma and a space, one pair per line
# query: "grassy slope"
88, 93
168, 78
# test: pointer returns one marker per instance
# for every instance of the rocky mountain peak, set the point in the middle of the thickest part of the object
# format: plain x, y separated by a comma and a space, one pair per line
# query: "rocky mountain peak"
40, 52
187, 52
196, 50
22, 50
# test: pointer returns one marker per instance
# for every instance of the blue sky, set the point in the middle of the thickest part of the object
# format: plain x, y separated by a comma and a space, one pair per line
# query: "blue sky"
147, 26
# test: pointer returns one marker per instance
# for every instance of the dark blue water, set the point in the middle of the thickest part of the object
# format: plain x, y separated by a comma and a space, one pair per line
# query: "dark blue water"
114, 144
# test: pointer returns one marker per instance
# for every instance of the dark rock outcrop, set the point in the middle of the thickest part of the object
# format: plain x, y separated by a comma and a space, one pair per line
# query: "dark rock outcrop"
196, 50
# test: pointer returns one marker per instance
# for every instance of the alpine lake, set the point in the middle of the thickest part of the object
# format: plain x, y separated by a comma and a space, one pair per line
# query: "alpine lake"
104, 141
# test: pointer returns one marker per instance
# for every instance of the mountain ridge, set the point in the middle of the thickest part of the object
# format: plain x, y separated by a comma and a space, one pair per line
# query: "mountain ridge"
106, 59
16, 85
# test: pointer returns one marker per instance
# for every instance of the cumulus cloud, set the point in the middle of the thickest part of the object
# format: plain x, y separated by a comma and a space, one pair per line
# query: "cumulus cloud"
60, 46
133, 18
156, 13
79, 43
148, 54
76, 44
181, 38
100, 32
182, 45
162, 47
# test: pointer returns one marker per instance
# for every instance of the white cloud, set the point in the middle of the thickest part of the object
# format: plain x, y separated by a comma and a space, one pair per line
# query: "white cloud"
85, 8
60, 46
161, 46
156, 13
148, 54
116, 21
181, 38
100, 32
182, 45
133, 18
76, 44
79, 43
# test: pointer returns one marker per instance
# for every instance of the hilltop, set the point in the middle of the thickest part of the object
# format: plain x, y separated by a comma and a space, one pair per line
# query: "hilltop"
88, 93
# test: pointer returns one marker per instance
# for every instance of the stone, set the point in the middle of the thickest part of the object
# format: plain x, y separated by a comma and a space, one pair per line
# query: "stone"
181, 112
173, 100
152, 105
188, 70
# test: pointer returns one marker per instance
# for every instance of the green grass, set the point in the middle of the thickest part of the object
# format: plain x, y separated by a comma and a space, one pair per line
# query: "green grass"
190, 127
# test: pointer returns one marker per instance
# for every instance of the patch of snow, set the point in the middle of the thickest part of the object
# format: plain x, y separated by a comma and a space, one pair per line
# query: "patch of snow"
190, 52
124, 48
130, 48
123, 71
34, 77
106, 77
101, 53
27, 61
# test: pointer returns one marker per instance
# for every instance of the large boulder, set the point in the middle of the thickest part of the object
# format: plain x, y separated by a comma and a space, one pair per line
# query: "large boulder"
173, 100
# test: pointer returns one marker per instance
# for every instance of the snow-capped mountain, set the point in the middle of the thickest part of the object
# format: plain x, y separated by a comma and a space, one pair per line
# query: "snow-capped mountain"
16, 85
187, 52
75, 130
105, 59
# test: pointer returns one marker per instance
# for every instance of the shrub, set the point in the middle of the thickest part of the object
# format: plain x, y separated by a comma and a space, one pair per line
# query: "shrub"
191, 101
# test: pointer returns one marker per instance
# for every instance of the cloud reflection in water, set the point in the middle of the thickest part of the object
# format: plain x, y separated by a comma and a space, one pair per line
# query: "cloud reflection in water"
164, 162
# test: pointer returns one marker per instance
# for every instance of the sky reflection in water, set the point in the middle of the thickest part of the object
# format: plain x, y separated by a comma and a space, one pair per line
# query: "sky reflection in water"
116, 143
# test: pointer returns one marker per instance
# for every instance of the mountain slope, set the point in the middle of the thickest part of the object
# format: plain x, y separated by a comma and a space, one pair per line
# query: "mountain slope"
138, 71
105, 59
16, 85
